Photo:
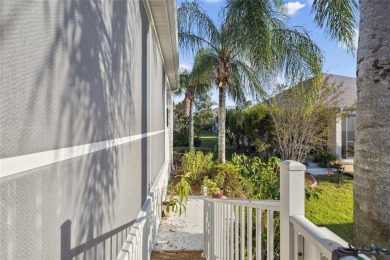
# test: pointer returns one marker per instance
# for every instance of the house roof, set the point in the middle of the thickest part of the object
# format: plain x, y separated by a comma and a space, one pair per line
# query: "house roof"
163, 17
349, 94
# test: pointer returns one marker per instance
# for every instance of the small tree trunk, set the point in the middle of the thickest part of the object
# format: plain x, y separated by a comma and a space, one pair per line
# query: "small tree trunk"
221, 124
191, 125
372, 149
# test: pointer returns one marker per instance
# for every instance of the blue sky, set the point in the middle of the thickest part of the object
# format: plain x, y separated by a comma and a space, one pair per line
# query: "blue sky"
336, 59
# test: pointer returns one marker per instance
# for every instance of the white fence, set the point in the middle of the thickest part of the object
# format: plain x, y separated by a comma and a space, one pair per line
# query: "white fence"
246, 229
230, 227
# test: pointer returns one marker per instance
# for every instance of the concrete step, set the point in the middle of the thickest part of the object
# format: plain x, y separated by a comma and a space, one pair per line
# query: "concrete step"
177, 254
348, 165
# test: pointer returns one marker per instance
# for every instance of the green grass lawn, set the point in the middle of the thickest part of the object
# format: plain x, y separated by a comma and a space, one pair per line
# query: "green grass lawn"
209, 140
334, 208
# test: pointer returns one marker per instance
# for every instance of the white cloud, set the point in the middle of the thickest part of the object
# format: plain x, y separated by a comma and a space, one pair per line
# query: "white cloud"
292, 8
185, 66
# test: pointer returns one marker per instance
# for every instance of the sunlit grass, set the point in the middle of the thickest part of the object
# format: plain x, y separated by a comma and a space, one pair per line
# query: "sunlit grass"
210, 140
334, 208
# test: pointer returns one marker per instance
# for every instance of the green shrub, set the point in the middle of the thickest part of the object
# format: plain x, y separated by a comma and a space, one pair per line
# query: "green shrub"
323, 158
197, 142
335, 163
212, 187
180, 138
227, 176
262, 178
197, 163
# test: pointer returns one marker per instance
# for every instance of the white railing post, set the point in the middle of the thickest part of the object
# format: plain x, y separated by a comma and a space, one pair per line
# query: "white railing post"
292, 202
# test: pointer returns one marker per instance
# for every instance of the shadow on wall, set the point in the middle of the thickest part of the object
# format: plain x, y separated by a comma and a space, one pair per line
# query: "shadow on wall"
97, 106
109, 243
143, 233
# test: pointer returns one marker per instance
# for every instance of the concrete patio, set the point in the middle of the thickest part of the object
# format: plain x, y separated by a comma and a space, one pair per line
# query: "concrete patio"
183, 232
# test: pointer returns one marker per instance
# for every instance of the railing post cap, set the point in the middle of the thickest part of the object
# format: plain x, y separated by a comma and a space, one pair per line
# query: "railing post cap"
292, 165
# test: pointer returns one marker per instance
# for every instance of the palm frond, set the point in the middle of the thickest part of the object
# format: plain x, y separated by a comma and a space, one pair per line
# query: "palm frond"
195, 28
204, 65
338, 18
296, 54
269, 45
248, 26
199, 78
244, 80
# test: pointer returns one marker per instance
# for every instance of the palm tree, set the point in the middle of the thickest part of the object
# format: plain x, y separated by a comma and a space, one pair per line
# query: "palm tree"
372, 146
245, 60
193, 83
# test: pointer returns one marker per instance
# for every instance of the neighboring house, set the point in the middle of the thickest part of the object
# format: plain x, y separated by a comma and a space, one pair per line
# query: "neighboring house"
342, 143
85, 126
215, 112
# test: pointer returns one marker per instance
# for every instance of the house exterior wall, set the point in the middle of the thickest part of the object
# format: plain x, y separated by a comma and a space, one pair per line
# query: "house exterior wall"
336, 139
83, 131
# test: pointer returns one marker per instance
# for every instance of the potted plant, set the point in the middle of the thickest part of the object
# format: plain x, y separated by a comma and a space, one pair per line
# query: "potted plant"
337, 164
212, 188
178, 196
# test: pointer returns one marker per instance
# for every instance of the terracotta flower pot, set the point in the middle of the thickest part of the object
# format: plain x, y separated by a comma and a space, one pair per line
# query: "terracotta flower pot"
219, 195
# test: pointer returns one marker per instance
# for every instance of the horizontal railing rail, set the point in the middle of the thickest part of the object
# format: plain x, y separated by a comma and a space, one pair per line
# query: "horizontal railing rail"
259, 204
233, 228
314, 242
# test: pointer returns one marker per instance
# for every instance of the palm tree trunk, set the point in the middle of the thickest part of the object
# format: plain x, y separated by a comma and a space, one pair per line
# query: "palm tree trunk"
221, 124
191, 125
372, 148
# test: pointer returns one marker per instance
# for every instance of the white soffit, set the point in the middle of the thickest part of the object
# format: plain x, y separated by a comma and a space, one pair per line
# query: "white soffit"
164, 16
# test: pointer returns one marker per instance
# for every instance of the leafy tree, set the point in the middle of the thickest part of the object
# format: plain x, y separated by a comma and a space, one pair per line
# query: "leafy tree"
179, 114
203, 118
243, 59
302, 117
259, 129
235, 126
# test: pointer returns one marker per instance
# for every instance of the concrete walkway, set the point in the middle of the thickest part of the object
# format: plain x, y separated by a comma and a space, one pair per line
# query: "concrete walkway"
184, 232
314, 169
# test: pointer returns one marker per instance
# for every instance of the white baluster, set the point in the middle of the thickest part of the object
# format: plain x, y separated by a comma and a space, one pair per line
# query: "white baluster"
242, 233
249, 232
232, 232
270, 234
237, 221
258, 233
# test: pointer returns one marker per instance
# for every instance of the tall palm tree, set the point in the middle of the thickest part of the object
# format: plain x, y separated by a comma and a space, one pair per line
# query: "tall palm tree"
193, 83
372, 146
242, 59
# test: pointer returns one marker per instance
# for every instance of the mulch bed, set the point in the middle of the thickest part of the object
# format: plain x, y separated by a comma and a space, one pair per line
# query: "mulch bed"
311, 180
177, 254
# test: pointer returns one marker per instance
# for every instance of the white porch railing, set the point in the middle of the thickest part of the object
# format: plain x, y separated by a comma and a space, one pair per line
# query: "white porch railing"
231, 225
245, 229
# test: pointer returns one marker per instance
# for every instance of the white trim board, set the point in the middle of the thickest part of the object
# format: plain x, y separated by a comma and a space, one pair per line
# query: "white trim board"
13, 165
